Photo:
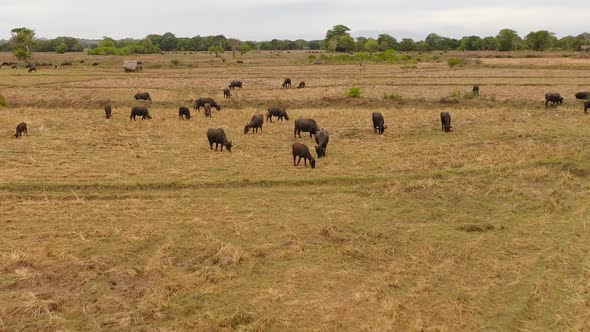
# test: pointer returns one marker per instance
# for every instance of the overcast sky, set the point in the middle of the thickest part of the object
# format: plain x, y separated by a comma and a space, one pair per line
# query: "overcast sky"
291, 19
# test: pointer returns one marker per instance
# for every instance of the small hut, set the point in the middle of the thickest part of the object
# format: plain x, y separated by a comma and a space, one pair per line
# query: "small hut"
132, 66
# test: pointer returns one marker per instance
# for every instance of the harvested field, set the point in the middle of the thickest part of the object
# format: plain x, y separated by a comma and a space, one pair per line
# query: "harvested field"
118, 224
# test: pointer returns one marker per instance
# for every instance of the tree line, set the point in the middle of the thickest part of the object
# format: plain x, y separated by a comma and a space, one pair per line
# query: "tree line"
337, 39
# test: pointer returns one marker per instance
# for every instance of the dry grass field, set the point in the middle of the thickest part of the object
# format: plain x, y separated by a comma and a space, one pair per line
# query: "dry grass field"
122, 225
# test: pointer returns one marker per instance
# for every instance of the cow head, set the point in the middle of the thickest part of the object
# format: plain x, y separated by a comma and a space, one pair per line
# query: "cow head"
312, 162
228, 146
447, 129
286, 116
319, 151
218, 107
246, 129
561, 100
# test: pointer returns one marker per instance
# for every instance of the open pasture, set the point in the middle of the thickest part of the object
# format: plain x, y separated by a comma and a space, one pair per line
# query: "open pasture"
118, 224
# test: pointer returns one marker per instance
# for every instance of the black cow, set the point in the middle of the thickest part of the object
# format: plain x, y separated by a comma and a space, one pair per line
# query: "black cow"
554, 98
301, 151
184, 113
226, 93
108, 111
582, 95
207, 107
235, 84
20, 129
305, 125
256, 122
143, 96
32, 69
218, 137
279, 112
287, 83
445, 121
475, 90
301, 85
586, 106
378, 123
140, 111
321, 138
202, 101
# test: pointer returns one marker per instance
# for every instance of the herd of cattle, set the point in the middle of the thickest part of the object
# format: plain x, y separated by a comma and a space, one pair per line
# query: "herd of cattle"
218, 137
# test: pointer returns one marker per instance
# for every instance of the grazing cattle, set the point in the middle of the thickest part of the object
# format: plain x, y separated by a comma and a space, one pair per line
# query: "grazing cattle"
108, 111
256, 122
287, 83
301, 85
207, 107
235, 84
239, 61
202, 101
301, 151
554, 98
226, 93
378, 123
321, 138
184, 113
218, 137
143, 96
20, 129
66, 63
583, 95
279, 112
445, 121
475, 90
586, 106
94, 64
32, 69
305, 125
140, 111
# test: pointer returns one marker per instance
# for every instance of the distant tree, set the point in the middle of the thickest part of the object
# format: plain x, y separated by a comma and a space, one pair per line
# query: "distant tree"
233, 44
244, 48
314, 45
169, 42
567, 43
489, 43
387, 42
339, 40
435, 41
61, 48
215, 49
22, 42
507, 40
422, 46
407, 45
540, 40
301, 44
470, 43
371, 46
360, 43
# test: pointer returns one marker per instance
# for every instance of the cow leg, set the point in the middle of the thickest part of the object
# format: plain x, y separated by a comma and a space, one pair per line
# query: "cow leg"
294, 157
211, 145
298, 161
305, 162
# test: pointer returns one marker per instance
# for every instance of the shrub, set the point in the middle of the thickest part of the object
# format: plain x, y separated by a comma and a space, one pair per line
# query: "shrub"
455, 61
3, 102
393, 96
311, 57
354, 92
435, 58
